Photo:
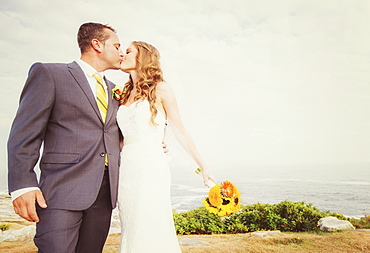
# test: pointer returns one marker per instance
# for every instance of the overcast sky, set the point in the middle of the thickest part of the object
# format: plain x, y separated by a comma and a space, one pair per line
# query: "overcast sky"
258, 82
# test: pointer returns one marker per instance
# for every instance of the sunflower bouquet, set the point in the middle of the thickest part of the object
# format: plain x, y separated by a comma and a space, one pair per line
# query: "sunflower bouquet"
223, 199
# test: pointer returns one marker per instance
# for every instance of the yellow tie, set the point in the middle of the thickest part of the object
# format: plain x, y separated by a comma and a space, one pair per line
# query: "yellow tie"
101, 96
101, 100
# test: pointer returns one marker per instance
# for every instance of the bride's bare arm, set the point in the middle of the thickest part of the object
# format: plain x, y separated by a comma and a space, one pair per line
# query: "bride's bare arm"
170, 107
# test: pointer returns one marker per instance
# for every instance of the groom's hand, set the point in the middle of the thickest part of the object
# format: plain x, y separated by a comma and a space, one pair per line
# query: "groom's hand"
25, 205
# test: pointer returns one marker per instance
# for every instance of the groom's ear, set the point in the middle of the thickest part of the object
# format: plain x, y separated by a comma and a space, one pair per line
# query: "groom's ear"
97, 45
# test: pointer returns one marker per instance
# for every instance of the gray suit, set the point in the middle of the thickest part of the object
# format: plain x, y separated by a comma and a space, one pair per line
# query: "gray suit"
57, 108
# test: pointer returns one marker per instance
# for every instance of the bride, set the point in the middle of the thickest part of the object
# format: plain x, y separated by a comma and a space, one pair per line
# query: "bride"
144, 184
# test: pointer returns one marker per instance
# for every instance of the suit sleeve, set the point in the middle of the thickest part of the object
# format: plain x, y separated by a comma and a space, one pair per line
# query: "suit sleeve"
29, 127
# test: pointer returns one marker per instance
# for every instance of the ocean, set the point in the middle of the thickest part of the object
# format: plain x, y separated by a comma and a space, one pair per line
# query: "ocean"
343, 189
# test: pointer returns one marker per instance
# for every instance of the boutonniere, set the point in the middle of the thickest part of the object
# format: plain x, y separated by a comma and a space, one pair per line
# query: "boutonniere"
117, 93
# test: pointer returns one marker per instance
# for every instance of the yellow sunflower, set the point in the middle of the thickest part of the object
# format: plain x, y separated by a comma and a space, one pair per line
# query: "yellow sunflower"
223, 199
214, 196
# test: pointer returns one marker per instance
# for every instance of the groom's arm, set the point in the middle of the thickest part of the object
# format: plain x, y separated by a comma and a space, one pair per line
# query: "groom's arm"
25, 139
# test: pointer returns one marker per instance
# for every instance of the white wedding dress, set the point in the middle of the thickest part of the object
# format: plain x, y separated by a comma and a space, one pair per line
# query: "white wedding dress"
144, 184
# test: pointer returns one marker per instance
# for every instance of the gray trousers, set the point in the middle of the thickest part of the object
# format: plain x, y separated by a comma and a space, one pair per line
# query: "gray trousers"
65, 231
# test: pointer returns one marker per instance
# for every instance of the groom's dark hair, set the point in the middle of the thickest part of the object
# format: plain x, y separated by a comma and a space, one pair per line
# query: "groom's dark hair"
90, 31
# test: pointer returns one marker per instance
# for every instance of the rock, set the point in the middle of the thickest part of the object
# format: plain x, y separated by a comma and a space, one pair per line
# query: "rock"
191, 242
114, 230
24, 234
115, 225
266, 234
330, 224
6, 208
362, 230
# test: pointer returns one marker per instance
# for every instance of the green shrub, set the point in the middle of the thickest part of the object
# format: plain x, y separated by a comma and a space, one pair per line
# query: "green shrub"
362, 223
4, 227
285, 216
198, 221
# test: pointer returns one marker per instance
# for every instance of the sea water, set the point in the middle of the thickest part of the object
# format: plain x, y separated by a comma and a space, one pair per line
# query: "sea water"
341, 189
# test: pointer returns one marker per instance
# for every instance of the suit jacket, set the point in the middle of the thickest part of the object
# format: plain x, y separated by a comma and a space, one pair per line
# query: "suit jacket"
58, 109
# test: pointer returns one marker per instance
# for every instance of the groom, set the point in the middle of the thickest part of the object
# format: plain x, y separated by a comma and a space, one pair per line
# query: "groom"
73, 202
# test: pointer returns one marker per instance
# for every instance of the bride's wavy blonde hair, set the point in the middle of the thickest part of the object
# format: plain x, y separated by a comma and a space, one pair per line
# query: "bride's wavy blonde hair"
149, 73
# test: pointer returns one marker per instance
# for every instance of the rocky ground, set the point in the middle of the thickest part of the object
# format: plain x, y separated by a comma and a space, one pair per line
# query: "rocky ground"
18, 238
7, 215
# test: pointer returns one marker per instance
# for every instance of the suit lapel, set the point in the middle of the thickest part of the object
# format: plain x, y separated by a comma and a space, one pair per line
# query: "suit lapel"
81, 80
111, 102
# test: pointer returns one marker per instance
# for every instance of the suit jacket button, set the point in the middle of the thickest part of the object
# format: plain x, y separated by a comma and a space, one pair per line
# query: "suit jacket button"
102, 154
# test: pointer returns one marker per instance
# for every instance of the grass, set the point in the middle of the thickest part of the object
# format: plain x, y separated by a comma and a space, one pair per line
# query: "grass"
302, 242
347, 241
287, 242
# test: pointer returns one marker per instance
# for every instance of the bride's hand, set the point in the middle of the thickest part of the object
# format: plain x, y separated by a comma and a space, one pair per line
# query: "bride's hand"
208, 179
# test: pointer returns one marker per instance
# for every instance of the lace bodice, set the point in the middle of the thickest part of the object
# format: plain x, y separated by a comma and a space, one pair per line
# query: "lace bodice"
136, 126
